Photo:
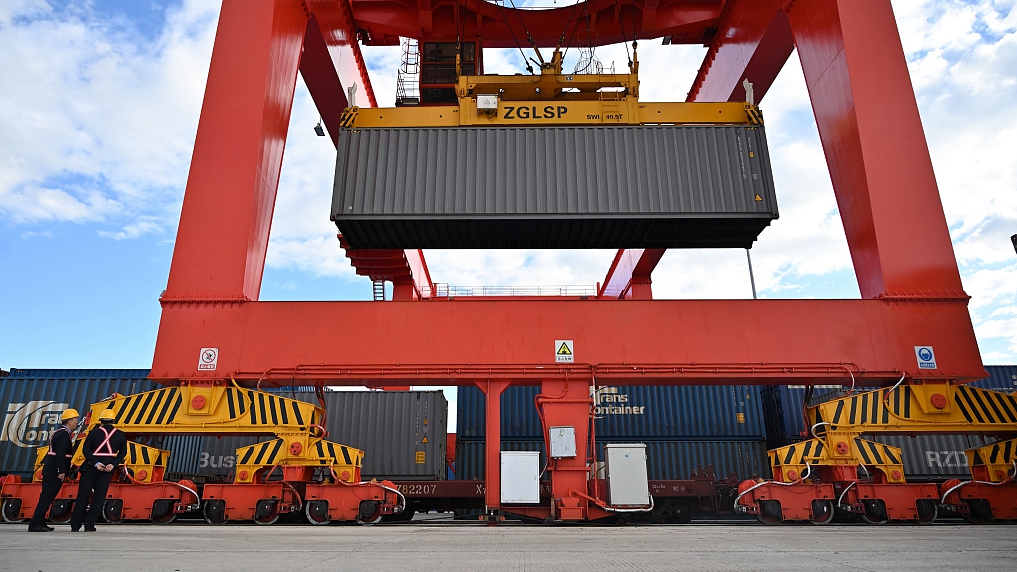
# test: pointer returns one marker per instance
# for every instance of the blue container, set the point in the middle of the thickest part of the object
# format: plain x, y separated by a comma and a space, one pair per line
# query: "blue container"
1001, 377
643, 412
32, 400
666, 460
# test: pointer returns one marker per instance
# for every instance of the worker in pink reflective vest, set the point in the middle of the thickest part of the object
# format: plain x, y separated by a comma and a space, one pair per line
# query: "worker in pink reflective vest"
105, 449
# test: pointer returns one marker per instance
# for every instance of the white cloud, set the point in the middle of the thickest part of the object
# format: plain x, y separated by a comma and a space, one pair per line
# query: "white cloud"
10, 9
99, 125
141, 226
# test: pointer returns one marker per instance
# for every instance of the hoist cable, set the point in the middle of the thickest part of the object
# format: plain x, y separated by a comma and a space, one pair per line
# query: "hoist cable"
501, 9
576, 29
625, 38
529, 36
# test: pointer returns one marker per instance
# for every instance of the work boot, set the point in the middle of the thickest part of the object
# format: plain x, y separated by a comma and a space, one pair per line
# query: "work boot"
89, 529
39, 528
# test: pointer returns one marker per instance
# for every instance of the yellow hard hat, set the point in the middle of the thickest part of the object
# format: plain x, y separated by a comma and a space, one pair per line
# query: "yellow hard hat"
108, 415
69, 414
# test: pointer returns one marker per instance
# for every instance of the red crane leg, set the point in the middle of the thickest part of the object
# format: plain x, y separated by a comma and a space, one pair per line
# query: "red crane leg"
629, 275
322, 79
568, 403
753, 42
336, 32
227, 212
872, 134
492, 473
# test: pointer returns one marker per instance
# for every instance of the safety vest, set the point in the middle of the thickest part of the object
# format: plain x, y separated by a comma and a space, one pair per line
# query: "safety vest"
51, 452
105, 449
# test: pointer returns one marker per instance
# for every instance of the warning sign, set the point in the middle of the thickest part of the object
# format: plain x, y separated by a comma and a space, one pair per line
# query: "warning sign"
424, 440
207, 359
421, 456
563, 352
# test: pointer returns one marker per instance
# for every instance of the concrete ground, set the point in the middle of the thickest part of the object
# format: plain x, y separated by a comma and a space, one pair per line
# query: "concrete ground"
443, 545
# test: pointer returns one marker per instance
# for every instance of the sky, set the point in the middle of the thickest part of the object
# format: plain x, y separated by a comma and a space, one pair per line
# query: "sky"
99, 104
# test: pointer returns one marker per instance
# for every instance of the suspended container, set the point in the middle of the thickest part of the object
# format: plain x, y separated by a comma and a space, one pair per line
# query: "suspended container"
640, 186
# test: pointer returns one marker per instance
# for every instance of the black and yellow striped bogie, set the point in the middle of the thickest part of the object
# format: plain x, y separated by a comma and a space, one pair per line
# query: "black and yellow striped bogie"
798, 460
292, 450
998, 459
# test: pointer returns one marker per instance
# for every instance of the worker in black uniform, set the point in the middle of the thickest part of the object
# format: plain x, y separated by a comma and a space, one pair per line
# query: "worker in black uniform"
55, 468
104, 448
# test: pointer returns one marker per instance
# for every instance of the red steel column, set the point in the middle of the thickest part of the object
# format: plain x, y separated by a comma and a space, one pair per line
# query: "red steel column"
568, 403
227, 212
875, 146
492, 466
753, 42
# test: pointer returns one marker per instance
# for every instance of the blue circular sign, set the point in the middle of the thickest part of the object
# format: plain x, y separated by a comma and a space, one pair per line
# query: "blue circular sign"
925, 354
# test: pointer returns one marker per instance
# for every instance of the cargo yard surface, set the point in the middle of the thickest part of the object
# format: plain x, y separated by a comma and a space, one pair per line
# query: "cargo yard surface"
441, 545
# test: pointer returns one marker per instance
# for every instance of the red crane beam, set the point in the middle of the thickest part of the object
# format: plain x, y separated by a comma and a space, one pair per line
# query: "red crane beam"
448, 342
500, 26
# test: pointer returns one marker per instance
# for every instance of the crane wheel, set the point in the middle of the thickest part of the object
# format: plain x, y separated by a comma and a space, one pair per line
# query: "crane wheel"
12, 510
214, 511
928, 511
980, 511
162, 511
265, 512
770, 512
317, 512
113, 511
369, 513
61, 511
875, 512
822, 512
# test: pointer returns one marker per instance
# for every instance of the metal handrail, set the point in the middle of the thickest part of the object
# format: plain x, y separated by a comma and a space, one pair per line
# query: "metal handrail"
442, 290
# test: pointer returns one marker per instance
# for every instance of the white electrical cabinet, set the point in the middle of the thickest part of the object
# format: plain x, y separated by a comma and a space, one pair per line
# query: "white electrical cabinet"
627, 484
563, 441
520, 474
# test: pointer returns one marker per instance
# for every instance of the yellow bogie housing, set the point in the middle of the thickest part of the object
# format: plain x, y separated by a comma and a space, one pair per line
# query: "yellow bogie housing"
904, 409
227, 409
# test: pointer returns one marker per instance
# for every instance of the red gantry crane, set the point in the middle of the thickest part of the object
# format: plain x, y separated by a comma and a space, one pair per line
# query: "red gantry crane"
911, 326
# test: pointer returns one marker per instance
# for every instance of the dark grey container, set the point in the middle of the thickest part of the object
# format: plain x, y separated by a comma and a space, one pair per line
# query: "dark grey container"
933, 457
391, 427
652, 186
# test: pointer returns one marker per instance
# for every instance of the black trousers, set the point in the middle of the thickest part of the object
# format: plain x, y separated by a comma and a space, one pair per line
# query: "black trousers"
50, 489
91, 484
